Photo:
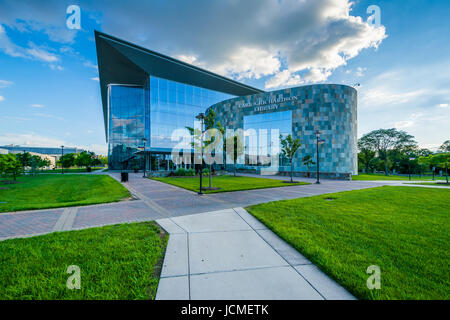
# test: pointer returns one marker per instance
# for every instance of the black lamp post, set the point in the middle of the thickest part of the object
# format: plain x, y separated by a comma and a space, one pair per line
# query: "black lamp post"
409, 166
318, 142
201, 117
145, 157
62, 158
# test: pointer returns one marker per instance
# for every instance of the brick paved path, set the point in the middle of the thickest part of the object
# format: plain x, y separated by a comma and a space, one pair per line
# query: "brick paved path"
155, 200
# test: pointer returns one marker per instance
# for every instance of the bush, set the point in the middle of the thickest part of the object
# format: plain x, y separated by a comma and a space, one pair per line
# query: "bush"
205, 172
181, 172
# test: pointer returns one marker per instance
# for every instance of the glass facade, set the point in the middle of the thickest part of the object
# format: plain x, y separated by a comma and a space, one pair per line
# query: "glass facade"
126, 126
258, 140
154, 112
174, 105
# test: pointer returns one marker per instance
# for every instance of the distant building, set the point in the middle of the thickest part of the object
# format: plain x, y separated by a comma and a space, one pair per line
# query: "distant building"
51, 154
41, 150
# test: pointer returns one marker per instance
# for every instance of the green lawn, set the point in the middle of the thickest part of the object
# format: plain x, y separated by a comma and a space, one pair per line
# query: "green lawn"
116, 262
67, 170
51, 191
371, 176
438, 184
403, 230
225, 183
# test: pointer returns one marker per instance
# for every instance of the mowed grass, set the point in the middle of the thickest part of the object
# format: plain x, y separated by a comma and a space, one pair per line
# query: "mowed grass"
373, 176
51, 191
437, 184
403, 230
68, 170
116, 262
225, 183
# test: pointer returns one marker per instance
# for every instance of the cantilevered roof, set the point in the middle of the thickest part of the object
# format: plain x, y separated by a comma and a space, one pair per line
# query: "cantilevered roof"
121, 62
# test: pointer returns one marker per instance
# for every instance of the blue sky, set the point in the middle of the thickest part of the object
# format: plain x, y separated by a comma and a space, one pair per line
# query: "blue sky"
49, 91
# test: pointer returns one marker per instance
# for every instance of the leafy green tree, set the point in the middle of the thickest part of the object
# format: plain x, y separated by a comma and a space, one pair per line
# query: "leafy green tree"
210, 123
384, 140
25, 159
366, 157
445, 146
289, 147
85, 159
308, 162
68, 160
10, 164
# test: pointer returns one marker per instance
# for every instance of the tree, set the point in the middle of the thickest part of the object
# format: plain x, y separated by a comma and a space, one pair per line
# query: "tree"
10, 164
238, 148
308, 162
384, 140
68, 160
289, 147
210, 123
85, 159
366, 156
445, 146
25, 159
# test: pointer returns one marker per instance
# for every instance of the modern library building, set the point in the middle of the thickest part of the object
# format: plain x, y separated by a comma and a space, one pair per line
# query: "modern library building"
146, 96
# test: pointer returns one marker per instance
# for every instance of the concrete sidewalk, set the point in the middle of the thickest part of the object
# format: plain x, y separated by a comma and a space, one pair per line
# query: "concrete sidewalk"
228, 254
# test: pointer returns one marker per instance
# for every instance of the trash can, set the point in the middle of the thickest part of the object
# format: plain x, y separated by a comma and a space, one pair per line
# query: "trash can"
124, 176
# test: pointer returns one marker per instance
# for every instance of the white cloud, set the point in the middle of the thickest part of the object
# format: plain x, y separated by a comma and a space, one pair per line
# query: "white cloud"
16, 118
317, 75
360, 71
5, 83
33, 52
35, 105
250, 38
283, 79
2, 98
89, 64
30, 139
403, 124
41, 54
443, 105
95, 78
49, 116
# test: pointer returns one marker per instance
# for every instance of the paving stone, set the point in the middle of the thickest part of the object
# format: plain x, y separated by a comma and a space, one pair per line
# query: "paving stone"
283, 248
228, 251
329, 288
222, 220
176, 257
280, 283
175, 288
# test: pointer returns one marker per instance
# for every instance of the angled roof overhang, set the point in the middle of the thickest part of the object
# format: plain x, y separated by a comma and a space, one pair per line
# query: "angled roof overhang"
121, 62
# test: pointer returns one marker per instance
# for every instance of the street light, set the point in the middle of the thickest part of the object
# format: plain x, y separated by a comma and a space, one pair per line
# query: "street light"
409, 166
201, 117
62, 156
145, 157
318, 142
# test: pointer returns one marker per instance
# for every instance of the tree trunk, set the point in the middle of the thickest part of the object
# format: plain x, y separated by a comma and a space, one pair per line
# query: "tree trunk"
210, 167
385, 165
235, 170
292, 169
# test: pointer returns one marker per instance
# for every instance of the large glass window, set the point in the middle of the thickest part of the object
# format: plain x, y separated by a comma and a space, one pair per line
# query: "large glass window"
127, 125
174, 105
258, 130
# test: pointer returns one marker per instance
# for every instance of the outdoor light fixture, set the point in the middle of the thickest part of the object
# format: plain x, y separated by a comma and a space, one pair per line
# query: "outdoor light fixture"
318, 142
201, 117
62, 156
409, 166
145, 157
